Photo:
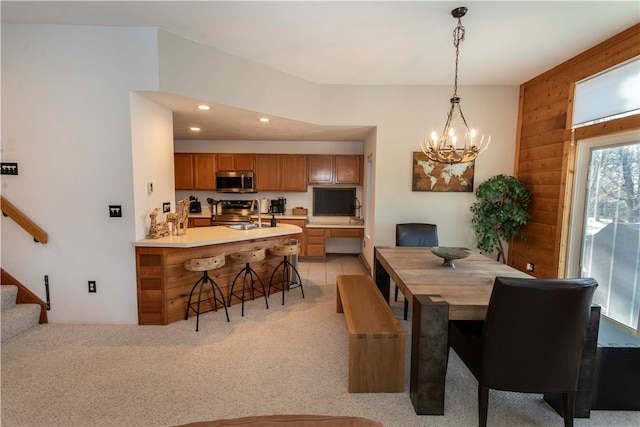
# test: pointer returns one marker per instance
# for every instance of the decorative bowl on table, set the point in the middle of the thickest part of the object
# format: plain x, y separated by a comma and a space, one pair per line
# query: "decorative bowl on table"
449, 254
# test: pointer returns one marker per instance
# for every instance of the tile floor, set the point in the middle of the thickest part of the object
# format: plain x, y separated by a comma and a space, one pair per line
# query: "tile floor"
324, 273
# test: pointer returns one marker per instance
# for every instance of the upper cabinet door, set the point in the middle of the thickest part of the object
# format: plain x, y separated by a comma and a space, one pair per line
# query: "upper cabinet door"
348, 170
320, 169
267, 171
245, 162
225, 162
235, 162
204, 171
183, 171
294, 172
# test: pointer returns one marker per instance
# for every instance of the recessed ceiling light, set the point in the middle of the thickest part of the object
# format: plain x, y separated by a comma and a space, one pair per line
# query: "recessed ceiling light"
204, 107
264, 119
195, 129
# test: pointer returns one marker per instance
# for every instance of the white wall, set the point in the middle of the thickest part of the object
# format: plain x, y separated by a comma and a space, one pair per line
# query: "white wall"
65, 117
152, 148
198, 71
403, 116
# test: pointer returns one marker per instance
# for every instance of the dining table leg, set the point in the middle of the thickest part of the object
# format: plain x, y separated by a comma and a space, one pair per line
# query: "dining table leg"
383, 280
429, 355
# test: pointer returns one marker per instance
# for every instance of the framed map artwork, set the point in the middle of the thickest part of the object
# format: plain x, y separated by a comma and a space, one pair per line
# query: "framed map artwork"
442, 177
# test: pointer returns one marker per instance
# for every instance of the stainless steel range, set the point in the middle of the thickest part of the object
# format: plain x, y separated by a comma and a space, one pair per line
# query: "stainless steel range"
231, 212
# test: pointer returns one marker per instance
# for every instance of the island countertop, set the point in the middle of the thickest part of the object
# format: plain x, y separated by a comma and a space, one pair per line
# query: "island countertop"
203, 236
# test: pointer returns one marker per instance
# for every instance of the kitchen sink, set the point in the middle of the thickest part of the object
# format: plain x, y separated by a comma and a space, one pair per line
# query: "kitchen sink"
247, 226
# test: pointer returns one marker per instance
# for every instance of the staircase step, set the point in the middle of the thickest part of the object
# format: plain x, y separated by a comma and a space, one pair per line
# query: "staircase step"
18, 319
9, 294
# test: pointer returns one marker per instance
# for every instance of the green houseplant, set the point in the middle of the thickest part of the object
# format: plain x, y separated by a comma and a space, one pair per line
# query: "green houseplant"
500, 212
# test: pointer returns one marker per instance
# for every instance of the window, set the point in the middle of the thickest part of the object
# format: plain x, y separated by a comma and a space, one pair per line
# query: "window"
610, 94
605, 233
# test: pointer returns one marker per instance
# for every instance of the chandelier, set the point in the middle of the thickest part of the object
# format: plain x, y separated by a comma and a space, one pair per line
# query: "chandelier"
445, 149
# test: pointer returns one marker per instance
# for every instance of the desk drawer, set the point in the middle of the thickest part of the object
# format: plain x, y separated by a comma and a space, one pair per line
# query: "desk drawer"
315, 240
316, 232
347, 232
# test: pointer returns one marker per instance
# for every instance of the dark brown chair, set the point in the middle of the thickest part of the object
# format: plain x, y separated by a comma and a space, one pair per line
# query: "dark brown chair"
415, 234
531, 340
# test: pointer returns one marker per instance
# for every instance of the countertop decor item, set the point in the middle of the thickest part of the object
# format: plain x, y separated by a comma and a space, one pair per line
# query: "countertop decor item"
449, 254
445, 148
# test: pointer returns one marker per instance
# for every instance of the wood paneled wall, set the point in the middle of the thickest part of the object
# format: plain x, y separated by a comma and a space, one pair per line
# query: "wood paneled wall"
544, 154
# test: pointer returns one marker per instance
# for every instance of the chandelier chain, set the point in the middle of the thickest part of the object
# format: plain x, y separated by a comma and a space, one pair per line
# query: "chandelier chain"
458, 37
448, 148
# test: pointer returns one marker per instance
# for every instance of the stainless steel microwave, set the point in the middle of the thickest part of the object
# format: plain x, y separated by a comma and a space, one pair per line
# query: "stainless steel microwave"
235, 182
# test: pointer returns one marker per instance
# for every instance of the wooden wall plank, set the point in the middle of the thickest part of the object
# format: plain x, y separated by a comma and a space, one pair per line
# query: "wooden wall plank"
545, 158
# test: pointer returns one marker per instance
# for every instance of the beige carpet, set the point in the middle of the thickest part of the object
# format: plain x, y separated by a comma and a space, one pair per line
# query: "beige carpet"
290, 359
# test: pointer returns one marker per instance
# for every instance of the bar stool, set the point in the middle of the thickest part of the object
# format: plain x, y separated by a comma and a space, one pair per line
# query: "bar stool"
248, 257
287, 268
205, 265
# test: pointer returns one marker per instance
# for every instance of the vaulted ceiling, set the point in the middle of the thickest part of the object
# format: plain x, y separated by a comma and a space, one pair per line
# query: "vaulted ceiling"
359, 42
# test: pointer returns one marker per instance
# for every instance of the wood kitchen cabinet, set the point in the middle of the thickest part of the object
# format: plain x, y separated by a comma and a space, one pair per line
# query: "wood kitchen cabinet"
281, 172
235, 162
320, 169
316, 243
335, 169
194, 171
294, 172
268, 172
348, 170
183, 171
204, 172
199, 222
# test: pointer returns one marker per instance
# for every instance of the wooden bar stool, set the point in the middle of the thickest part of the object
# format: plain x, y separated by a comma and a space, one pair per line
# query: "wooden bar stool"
205, 265
288, 269
248, 273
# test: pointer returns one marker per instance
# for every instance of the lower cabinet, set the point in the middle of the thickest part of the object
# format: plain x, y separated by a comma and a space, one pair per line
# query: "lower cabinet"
316, 247
300, 236
199, 222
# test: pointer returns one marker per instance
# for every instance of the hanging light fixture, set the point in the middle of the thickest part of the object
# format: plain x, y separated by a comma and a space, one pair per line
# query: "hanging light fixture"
445, 149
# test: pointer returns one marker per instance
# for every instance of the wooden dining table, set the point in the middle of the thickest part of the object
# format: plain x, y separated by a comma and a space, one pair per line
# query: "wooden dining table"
438, 294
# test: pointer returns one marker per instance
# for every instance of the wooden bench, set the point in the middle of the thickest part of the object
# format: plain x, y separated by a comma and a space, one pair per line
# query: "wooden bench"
376, 339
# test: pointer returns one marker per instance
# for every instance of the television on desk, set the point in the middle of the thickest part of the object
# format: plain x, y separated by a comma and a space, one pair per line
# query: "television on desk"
334, 201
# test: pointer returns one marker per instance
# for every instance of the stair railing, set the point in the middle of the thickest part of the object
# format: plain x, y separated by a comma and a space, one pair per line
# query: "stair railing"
39, 235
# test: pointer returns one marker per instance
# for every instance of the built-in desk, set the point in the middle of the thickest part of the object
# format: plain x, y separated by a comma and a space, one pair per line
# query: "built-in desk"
318, 233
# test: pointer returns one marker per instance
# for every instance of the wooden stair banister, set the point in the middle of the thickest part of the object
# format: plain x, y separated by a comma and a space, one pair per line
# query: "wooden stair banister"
39, 235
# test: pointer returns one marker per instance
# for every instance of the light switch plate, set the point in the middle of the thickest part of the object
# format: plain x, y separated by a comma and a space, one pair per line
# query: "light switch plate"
9, 168
115, 211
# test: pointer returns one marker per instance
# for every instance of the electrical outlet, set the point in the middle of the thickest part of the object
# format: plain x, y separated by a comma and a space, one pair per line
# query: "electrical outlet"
9, 168
166, 207
530, 266
92, 286
115, 211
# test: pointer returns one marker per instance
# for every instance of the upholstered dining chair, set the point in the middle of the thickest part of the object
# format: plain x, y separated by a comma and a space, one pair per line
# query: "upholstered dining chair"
531, 340
415, 234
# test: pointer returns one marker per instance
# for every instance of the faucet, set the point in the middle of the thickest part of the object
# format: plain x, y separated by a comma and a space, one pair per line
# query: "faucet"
257, 205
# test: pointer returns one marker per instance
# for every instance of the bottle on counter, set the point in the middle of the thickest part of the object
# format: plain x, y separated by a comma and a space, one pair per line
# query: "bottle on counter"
273, 220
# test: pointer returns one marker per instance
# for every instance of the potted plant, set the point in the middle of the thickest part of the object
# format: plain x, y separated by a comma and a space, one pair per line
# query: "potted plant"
500, 213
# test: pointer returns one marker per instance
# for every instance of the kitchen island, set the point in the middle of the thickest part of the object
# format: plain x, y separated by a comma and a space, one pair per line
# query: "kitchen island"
163, 284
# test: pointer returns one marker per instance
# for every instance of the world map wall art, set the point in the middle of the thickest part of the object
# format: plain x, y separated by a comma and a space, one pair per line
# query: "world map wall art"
441, 177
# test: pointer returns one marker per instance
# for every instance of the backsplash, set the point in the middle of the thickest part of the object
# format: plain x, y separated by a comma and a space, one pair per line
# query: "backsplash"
294, 200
